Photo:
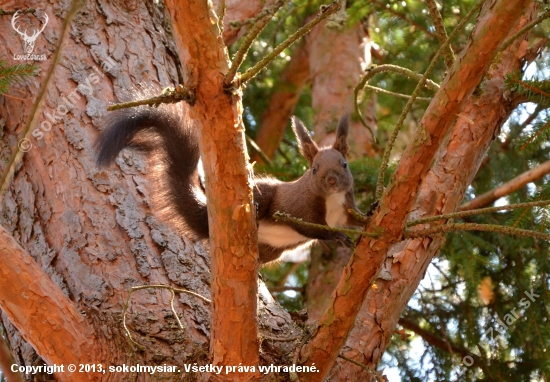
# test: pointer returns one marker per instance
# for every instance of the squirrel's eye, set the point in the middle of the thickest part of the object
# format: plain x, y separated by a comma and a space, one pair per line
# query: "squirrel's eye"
313, 170
345, 164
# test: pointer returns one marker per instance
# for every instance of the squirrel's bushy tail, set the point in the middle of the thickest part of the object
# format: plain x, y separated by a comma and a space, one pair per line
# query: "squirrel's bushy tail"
166, 132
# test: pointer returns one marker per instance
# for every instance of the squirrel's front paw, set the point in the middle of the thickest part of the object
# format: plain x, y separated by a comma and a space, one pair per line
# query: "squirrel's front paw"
343, 239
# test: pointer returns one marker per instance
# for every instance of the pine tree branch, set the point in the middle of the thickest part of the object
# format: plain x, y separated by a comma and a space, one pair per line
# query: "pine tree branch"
14, 73
323, 14
263, 18
279, 216
375, 69
462, 214
437, 342
385, 7
522, 31
372, 372
433, 231
419, 86
440, 31
371, 71
539, 132
398, 95
507, 188
168, 95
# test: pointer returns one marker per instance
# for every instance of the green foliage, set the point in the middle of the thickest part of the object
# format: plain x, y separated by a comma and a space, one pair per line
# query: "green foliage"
15, 73
287, 282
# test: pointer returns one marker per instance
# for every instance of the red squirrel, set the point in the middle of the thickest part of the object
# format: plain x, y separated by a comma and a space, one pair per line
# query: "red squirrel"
322, 195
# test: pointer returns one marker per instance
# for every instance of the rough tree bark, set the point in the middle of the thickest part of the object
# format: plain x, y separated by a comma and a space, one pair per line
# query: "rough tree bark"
92, 231
231, 215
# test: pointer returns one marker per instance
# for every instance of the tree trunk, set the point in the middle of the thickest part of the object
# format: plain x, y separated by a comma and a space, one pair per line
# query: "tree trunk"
337, 59
92, 231
231, 215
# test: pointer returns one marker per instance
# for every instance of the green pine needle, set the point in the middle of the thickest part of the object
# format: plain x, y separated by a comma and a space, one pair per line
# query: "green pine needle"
14, 73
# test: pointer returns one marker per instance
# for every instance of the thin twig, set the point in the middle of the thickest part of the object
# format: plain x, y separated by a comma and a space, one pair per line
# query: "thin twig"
539, 132
13, 97
365, 367
222, 7
437, 230
419, 86
287, 218
359, 216
28, 10
239, 57
398, 95
542, 17
172, 297
172, 290
16, 152
440, 31
462, 214
259, 150
375, 69
388, 7
168, 95
324, 13
284, 339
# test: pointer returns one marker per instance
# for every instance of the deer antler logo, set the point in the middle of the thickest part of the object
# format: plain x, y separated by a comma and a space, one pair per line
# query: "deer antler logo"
28, 41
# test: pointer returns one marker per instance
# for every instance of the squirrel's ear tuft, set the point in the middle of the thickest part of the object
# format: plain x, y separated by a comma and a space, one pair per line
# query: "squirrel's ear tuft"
341, 143
308, 148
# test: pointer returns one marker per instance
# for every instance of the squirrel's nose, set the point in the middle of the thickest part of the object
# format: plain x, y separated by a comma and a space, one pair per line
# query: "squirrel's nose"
331, 180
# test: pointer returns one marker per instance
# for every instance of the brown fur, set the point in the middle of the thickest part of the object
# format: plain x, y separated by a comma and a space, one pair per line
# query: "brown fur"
324, 192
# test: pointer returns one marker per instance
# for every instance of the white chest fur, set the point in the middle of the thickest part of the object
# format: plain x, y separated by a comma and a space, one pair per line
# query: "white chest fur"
279, 236
335, 210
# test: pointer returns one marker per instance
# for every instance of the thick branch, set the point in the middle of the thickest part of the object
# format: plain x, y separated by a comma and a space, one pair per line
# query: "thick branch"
43, 314
231, 213
507, 188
